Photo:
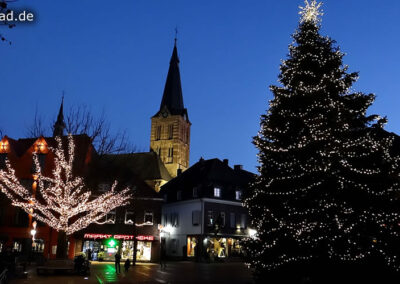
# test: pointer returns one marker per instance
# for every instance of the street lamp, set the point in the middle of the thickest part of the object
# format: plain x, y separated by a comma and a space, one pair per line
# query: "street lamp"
33, 231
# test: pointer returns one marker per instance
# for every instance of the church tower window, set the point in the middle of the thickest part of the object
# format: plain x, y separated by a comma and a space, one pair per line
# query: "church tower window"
170, 131
158, 132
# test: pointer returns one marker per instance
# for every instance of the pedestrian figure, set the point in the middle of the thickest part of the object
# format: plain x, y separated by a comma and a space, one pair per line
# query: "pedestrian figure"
127, 264
163, 257
117, 263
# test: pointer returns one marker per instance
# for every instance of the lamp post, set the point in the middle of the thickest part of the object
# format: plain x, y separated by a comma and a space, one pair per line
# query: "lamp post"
33, 231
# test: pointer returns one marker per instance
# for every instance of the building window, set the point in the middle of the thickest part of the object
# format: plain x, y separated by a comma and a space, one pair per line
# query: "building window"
158, 132
104, 187
159, 151
174, 246
148, 218
196, 217
3, 157
238, 195
175, 220
170, 155
222, 219
243, 220
232, 220
179, 195
165, 220
129, 217
217, 192
170, 131
195, 193
210, 219
111, 217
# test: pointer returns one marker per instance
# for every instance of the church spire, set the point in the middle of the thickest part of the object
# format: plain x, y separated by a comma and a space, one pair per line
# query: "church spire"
59, 125
172, 99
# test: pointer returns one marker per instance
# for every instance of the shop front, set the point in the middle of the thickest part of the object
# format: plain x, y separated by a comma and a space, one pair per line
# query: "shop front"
213, 247
103, 247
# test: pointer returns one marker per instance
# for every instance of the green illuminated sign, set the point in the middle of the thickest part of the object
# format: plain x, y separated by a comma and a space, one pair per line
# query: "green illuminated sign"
111, 243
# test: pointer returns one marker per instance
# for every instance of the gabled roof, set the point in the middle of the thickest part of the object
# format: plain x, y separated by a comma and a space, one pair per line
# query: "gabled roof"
206, 171
147, 165
22, 151
172, 100
130, 170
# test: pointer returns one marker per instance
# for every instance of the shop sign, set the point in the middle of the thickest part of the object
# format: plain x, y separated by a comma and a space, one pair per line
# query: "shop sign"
118, 237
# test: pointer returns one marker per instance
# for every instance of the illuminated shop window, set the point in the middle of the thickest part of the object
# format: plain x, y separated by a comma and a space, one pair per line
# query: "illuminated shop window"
143, 251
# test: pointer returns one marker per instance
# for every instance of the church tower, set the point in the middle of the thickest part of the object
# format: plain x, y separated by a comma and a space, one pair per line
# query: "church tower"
170, 126
59, 125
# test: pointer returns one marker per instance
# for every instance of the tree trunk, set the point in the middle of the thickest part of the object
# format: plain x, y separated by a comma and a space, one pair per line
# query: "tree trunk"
62, 245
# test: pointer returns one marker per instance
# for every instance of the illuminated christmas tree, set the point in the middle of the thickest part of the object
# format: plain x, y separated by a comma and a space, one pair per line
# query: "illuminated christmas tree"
62, 200
328, 178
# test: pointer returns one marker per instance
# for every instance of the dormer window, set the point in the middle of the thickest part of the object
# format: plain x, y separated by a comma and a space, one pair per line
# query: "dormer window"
4, 146
238, 195
217, 192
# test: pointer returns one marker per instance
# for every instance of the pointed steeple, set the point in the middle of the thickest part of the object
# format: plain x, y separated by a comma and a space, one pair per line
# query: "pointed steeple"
59, 126
172, 99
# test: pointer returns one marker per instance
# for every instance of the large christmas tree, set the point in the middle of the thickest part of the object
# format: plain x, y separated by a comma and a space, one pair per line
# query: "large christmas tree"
326, 190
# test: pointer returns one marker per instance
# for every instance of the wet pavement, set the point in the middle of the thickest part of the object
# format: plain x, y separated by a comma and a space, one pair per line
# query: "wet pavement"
175, 272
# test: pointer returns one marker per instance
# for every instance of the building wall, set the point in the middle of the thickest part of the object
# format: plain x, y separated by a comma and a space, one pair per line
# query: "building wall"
239, 222
177, 231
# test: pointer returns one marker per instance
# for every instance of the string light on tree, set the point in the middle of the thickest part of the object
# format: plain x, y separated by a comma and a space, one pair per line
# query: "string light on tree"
62, 200
328, 175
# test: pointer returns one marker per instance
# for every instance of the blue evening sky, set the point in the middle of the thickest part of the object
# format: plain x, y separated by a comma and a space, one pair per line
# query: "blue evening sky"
114, 55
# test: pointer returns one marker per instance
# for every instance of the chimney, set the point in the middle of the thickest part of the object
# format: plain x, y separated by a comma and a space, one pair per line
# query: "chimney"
226, 162
178, 172
238, 167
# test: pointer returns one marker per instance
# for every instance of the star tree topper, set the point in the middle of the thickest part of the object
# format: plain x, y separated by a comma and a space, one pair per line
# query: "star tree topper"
311, 12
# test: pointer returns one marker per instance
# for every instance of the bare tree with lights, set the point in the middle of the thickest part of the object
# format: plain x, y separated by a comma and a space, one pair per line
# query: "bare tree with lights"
325, 197
62, 200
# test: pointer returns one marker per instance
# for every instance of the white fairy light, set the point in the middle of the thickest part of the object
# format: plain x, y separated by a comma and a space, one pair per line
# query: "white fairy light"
62, 201
311, 12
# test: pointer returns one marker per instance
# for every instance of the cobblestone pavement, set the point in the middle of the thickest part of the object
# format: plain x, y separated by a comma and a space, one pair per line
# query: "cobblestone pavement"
175, 272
